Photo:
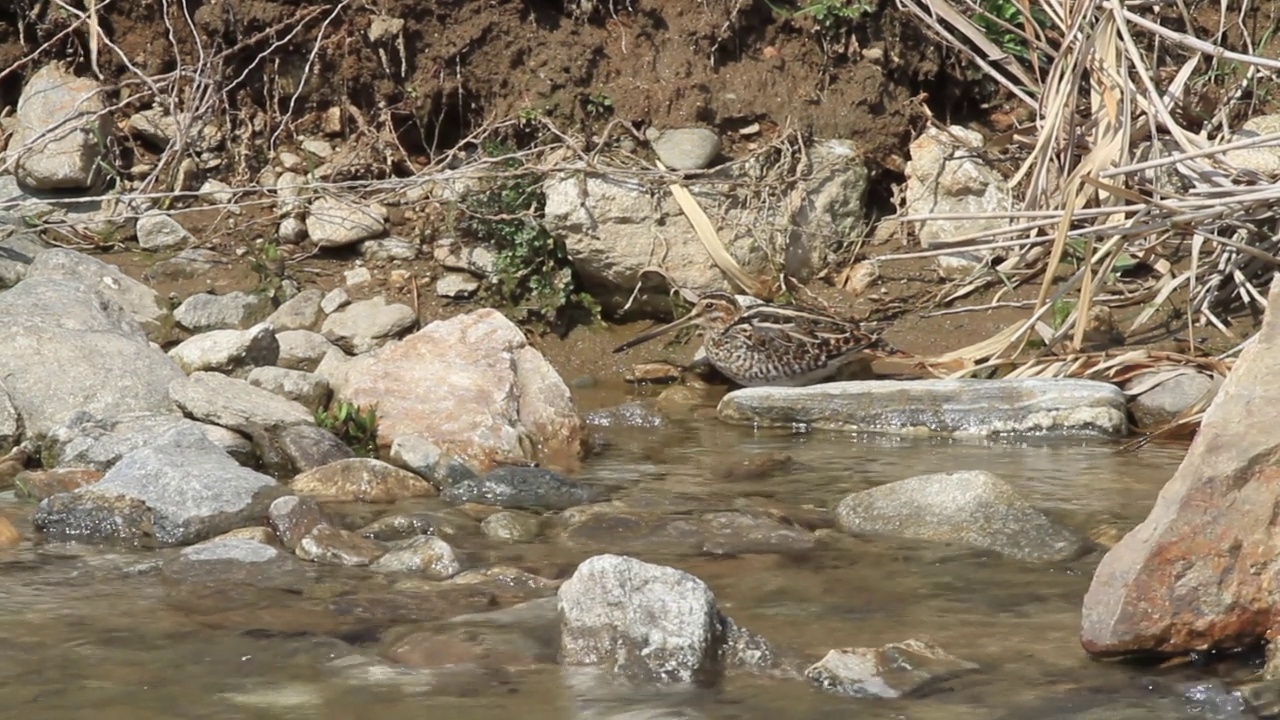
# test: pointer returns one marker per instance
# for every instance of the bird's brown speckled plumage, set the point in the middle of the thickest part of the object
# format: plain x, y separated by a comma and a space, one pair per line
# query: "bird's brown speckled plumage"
769, 344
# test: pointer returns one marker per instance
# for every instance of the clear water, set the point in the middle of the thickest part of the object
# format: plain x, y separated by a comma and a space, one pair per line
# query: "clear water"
89, 632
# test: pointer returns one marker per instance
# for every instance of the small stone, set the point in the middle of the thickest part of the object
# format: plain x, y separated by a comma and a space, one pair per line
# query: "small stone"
9, 535
358, 276
234, 310
159, 232
423, 457
905, 669
400, 527
308, 389
289, 187
155, 126
366, 325
388, 250
216, 192
293, 518
186, 265
328, 545
653, 372
426, 554
292, 162
687, 148
361, 480
457, 286
523, 487
40, 484
510, 526
319, 148
335, 301
227, 350
1162, 404
334, 223
331, 122
300, 312
476, 259
291, 231
303, 350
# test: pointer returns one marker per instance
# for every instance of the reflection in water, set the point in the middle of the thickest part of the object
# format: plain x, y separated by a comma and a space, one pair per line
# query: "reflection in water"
86, 631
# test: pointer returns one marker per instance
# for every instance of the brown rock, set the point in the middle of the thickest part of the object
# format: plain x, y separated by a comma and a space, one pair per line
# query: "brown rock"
1199, 572
328, 545
40, 484
9, 535
361, 480
293, 517
473, 386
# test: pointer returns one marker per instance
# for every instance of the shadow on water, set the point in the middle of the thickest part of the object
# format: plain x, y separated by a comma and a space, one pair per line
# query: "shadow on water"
88, 632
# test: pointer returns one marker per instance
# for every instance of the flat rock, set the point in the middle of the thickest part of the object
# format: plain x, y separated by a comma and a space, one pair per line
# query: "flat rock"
69, 348
426, 555
335, 300
85, 441
232, 403
333, 222
424, 458
232, 311
138, 300
62, 123
971, 507
310, 446
186, 265
159, 232
307, 389
300, 312
962, 407
523, 487
687, 148
234, 559
360, 480
180, 489
457, 286
907, 669
650, 622
228, 350
328, 545
366, 325
303, 349
1198, 572
471, 385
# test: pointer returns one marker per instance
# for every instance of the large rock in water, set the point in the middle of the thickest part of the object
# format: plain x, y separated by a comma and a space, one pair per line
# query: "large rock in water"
1200, 571
652, 623
473, 386
971, 507
945, 407
69, 348
178, 490
615, 227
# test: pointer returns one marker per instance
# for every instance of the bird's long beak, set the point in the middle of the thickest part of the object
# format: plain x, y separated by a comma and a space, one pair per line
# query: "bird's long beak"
645, 337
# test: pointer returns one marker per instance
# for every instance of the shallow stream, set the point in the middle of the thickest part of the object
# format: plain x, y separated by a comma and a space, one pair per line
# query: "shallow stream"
89, 632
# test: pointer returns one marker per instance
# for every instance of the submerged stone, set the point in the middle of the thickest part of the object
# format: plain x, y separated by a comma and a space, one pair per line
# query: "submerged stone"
963, 407
523, 487
905, 669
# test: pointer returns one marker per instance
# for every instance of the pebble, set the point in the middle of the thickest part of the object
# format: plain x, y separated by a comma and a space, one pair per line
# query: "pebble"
328, 545
457, 286
233, 311
428, 555
335, 300
159, 232
510, 526
300, 312
687, 148
293, 518
904, 669
333, 222
303, 349
358, 276
388, 249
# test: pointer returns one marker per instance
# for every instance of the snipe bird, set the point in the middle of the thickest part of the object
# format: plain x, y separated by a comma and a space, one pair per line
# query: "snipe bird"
765, 344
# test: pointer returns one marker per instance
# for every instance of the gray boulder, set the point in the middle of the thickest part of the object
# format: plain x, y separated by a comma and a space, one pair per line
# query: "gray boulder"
71, 348
62, 125
235, 404
971, 507
228, 350
232, 311
180, 489
84, 441
138, 300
